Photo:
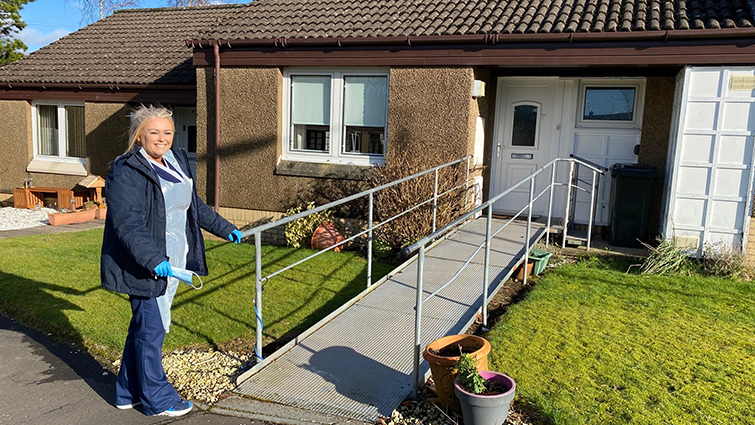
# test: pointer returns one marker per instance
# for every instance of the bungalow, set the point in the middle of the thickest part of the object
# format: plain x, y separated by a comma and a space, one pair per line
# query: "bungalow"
64, 109
291, 93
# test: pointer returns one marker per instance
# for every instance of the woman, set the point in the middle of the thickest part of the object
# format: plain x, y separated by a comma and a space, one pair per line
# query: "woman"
153, 224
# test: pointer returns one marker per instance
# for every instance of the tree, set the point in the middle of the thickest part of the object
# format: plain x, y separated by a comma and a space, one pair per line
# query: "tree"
93, 10
11, 48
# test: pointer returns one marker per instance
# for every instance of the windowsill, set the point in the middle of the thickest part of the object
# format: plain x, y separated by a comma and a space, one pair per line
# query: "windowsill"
54, 167
322, 171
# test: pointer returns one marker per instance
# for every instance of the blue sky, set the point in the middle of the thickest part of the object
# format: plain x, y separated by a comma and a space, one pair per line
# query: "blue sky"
48, 20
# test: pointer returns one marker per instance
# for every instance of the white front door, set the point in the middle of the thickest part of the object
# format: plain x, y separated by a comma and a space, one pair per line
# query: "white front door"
527, 112
186, 132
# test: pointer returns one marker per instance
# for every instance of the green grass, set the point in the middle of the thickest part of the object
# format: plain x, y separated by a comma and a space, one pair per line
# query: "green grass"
53, 282
593, 345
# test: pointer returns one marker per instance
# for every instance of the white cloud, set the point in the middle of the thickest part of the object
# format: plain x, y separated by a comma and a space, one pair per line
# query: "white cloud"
35, 38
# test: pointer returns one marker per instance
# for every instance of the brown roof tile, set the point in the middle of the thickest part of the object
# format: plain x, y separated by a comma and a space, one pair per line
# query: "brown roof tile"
137, 46
265, 19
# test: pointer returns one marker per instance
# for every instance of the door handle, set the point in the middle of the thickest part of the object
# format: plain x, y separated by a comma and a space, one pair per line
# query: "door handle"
498, 151
522, 156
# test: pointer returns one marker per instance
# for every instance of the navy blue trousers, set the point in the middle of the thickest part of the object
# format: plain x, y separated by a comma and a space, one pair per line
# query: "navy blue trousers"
142, 377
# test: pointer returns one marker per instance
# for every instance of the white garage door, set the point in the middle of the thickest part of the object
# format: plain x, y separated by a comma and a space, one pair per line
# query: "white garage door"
712, 153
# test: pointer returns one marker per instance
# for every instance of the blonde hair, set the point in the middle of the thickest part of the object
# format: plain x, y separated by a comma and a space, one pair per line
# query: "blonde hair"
140, 116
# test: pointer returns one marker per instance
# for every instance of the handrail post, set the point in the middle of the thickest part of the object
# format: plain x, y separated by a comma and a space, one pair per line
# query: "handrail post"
593, 199
486, 272
550, 204
418, 322
466, 187
435, 199
527, 233
568, 201
369, 242
258, 293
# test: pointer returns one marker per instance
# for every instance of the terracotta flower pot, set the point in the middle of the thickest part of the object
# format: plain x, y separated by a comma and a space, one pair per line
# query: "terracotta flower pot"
57, 219
520, 270
325, 236
100, 213
442, 367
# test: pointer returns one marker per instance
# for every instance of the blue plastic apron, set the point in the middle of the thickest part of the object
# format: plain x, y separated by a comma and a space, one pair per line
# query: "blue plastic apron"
177, 192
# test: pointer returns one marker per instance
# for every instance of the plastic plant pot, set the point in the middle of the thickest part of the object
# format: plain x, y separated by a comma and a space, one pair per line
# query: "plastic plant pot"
486, 409
442, 367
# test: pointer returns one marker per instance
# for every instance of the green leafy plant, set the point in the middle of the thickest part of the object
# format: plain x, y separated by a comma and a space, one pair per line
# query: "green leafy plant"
299, 232
469, 378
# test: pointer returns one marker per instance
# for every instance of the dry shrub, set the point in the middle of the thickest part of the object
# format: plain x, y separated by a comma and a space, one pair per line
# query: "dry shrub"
723, 261
667, 259
396, 199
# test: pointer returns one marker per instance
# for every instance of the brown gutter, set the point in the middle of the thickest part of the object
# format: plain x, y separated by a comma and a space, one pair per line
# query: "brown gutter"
664, 35
216, 50
99, 86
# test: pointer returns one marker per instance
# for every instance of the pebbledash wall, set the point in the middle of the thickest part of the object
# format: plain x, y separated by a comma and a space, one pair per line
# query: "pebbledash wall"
106, 126
436, 119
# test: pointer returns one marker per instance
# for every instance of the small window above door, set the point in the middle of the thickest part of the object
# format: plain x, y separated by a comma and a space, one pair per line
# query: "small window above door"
614, 104
524, 127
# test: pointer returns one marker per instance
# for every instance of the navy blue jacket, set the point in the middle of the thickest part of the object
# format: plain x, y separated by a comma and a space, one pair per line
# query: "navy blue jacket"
134, 240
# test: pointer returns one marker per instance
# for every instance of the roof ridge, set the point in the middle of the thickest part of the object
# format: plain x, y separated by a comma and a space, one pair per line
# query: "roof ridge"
179, 8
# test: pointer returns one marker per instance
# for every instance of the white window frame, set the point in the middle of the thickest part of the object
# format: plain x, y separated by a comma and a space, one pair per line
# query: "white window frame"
539, 107
639, 101
335, 154
62, 132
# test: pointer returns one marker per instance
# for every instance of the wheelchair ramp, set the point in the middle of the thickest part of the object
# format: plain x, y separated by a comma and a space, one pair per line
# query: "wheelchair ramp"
359, 365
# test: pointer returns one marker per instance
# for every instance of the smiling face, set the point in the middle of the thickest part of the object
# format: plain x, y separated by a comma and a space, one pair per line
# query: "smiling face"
156, 137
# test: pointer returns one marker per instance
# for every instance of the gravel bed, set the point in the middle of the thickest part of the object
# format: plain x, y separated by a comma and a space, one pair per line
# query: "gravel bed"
16, 218
203, 375
427, 410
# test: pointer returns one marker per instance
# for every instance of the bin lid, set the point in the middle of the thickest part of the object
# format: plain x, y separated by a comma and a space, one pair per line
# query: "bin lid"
633, 170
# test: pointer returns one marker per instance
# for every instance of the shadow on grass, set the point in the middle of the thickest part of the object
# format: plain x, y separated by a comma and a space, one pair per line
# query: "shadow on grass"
60, 334
272, 263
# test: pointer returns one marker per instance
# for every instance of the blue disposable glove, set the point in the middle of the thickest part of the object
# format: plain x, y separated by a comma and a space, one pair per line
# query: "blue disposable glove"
235, 236
164, 270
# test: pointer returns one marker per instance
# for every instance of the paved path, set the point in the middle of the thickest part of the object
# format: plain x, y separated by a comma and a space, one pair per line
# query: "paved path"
46, 382
48, 230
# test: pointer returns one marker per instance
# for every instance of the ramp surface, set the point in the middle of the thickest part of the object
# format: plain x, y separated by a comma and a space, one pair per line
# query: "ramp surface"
359, 365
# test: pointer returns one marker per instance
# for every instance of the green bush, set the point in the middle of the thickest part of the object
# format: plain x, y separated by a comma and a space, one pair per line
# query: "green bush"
299, 232
469, 378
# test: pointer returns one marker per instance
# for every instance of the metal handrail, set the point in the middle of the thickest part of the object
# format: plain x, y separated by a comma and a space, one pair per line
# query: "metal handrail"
261, 280
488, 205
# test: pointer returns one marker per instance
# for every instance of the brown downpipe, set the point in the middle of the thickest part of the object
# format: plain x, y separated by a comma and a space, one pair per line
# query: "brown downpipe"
216, 50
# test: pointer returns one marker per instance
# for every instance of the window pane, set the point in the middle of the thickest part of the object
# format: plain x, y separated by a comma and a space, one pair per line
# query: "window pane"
365, 101
310, 112
47, 130
76, 136
525, 125
609, 104
192, 135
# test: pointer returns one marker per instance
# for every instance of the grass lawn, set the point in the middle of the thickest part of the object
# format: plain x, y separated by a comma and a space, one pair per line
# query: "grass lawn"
53, 281
593, 345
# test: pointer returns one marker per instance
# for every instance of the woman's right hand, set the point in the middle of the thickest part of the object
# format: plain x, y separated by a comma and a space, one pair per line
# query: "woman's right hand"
164, 270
